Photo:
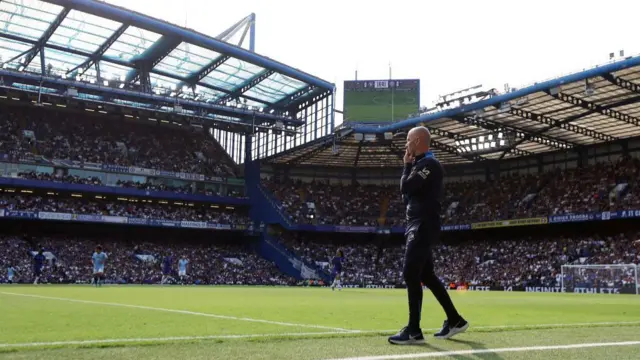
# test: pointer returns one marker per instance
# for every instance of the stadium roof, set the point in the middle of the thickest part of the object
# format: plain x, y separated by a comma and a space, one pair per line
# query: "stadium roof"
94, 41
593, 106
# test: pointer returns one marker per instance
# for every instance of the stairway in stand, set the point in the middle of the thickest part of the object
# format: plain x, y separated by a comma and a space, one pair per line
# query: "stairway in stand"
384, 207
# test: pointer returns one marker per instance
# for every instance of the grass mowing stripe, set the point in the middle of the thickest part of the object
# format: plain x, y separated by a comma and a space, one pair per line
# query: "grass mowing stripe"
307, 335
186, 312
434, 354
539, 326
170, 339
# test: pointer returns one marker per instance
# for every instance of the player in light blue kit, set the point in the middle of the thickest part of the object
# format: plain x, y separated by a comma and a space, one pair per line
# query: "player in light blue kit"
11, 272
182, 269
98, 259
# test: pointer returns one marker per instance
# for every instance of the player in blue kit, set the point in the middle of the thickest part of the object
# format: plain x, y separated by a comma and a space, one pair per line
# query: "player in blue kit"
182, 269
98, 259
38, 264
11, 273
336, 272
166, 268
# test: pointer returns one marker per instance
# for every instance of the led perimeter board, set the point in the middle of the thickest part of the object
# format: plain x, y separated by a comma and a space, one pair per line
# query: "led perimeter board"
380, 101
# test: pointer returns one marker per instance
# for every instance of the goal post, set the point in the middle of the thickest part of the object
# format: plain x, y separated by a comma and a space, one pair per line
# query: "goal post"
605, 278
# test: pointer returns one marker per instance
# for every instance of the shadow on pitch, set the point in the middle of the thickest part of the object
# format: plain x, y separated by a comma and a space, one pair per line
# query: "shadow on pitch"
475, 346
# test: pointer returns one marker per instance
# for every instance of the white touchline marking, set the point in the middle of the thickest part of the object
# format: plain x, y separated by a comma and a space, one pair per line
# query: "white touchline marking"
434, 354
535, 326
170, 339
227, 317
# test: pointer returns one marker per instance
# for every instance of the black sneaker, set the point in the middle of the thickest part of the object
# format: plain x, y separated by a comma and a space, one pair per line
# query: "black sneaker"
406, 337
448, 331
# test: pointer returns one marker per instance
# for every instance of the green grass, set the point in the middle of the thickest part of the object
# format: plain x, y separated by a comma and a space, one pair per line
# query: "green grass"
298, 323
375, 106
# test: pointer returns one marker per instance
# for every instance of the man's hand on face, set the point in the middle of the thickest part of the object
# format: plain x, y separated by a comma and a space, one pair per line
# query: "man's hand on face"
408, 157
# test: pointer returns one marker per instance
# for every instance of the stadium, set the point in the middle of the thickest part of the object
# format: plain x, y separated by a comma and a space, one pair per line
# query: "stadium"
219, 186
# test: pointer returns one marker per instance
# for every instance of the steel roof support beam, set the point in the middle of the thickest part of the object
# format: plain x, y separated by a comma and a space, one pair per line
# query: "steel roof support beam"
248, 23
455, 136
355, 161
241, 117
95, 57
452, 150
497, 126
563, 124
46, 36
123, 15
444, 147
625, 84
19, 55
519, 152
117, 62
63, 49
604, 110
153, 56
245, 86
202, 73
284, 102
447, 134
316, 95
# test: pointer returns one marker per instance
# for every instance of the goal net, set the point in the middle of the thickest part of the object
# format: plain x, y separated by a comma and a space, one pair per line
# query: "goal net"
600, 279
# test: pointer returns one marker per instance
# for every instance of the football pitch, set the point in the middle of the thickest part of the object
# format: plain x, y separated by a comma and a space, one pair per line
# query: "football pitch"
156, 322
375, 106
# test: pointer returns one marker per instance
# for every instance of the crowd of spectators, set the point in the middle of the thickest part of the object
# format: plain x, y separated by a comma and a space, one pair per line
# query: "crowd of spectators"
593, 188
69, 261
515, 262
146, 210
63, 136
157, 186
323, 203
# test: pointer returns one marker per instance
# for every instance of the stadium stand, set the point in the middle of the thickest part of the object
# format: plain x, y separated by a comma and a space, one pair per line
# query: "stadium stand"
609, 186
160, 127
130, 208
138, 262
55, 135
518, 261
156, 141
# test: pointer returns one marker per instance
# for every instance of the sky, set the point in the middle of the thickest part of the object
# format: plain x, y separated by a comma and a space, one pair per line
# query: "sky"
448, 45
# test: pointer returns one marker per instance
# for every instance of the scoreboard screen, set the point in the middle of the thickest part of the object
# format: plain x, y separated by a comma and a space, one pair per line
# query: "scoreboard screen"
380, 101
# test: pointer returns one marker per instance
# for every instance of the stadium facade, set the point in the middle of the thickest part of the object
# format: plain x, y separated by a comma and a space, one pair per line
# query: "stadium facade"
84, 58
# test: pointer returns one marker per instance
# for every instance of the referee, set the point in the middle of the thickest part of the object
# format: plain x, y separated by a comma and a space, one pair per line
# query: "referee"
421, 187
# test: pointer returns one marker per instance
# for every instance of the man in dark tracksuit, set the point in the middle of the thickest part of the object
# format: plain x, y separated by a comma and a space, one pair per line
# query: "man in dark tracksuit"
421, 187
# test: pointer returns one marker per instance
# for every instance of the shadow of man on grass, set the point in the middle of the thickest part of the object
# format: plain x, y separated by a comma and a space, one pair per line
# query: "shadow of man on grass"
473, 345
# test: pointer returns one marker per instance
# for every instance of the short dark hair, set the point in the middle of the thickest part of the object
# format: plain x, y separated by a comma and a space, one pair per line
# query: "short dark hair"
99, 247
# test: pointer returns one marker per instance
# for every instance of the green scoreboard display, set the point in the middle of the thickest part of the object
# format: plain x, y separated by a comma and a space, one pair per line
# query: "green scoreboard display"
380, 101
